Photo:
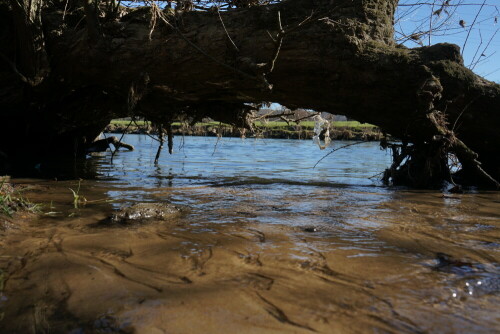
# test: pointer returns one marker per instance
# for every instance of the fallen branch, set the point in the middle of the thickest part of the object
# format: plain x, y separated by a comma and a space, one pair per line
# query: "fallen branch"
101, 145
270, 115
306, 117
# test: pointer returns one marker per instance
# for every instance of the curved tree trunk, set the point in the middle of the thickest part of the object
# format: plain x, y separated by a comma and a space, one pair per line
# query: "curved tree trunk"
336, 56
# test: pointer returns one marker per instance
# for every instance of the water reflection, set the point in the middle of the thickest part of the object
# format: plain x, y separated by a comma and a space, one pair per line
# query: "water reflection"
234, 158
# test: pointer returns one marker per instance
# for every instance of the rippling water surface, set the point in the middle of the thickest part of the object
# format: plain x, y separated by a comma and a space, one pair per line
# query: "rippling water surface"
265, 244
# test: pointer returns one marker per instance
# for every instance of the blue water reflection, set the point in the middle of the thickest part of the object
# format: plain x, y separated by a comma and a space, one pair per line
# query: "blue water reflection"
202, 160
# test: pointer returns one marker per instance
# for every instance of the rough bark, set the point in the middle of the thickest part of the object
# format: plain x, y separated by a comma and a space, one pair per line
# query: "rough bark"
336, 56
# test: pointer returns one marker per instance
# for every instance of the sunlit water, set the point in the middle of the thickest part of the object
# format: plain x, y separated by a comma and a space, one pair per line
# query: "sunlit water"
206, 160
266, 244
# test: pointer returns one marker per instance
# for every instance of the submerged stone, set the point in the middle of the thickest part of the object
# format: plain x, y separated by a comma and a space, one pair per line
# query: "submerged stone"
141, 212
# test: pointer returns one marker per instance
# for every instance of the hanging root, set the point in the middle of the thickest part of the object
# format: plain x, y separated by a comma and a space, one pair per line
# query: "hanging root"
471, 166
160, 147
418, 165
170, 138
161, 139
427, 163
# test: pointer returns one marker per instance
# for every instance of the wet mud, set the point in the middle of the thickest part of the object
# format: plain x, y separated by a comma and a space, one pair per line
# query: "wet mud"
254, 258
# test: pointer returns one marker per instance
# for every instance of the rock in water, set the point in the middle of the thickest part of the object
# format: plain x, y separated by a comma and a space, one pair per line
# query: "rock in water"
141, 212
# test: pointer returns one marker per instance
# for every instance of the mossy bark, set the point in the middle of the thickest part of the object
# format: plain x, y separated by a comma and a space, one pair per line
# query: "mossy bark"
336, 56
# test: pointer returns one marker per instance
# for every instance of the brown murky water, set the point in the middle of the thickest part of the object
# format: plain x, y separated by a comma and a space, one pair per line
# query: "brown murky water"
254, 257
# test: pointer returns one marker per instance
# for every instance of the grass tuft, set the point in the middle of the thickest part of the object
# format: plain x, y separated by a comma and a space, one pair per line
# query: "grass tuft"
11, 200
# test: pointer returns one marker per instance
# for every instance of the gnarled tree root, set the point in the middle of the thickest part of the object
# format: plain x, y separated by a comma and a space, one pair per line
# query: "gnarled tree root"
427, 164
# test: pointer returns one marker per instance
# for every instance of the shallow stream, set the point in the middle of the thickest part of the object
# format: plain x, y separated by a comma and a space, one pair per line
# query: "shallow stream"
265, 244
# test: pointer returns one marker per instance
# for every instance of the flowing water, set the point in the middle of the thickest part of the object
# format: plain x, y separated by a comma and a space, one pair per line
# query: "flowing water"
265, 244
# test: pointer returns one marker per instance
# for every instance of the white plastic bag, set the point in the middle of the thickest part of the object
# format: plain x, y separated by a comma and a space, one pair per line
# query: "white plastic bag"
321, 131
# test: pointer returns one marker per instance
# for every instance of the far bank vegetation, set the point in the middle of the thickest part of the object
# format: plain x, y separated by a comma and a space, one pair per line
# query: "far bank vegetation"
284, 124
